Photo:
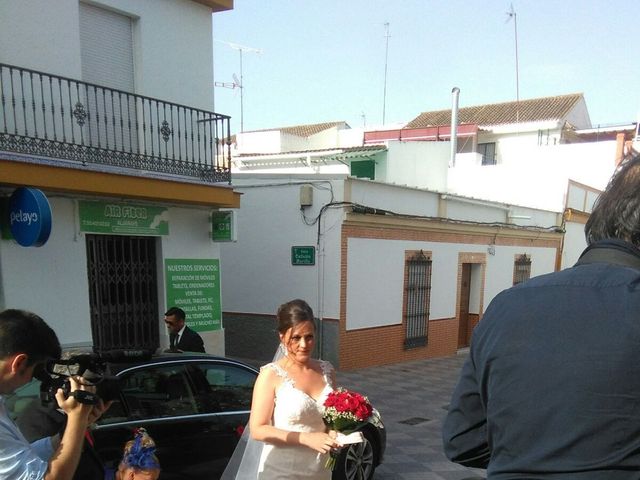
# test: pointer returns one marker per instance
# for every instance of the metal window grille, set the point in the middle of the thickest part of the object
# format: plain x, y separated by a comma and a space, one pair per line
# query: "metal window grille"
123, 294
521, 269
417, 298
488, 152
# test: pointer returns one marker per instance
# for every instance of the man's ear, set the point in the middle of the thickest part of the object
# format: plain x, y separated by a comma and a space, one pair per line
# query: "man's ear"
19, 363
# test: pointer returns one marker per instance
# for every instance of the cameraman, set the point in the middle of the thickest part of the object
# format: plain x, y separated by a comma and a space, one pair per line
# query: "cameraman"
26, 343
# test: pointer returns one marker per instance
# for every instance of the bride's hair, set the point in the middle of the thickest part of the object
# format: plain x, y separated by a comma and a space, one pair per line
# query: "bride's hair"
292, 313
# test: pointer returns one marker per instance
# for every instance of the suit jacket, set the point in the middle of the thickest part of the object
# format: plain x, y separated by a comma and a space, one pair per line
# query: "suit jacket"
190, 341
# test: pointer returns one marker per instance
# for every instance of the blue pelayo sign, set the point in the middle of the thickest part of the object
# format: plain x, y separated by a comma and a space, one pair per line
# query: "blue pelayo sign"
29, 217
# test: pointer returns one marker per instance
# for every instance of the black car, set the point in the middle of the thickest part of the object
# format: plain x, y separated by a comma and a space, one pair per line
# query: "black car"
195, 407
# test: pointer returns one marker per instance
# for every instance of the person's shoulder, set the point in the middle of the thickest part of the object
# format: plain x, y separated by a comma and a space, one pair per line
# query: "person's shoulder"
190, 331
270, 368
272, 373
324, 365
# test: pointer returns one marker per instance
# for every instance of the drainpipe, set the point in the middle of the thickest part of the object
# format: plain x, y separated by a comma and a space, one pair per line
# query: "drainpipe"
454, 126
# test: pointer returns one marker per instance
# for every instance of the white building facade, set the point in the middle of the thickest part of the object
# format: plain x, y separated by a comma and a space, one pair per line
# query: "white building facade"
123, 143
365, 238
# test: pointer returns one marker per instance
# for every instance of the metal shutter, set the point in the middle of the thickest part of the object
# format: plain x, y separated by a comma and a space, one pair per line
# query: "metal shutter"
106, 48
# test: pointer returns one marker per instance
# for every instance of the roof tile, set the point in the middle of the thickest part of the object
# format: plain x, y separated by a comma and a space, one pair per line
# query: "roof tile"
532, 110
303, 130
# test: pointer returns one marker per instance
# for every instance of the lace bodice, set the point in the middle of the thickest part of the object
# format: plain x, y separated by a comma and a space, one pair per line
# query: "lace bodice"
296, 411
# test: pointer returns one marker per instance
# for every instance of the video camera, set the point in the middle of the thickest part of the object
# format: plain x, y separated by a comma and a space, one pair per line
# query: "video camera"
92, 368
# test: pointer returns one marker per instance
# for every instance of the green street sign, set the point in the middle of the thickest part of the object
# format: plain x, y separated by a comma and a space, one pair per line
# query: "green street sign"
303, 255
122, 218
222, 226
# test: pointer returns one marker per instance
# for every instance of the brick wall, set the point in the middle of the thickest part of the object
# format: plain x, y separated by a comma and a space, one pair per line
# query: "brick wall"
385, 345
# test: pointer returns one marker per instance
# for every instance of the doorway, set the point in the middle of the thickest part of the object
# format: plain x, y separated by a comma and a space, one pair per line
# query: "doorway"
470, 293
123, 292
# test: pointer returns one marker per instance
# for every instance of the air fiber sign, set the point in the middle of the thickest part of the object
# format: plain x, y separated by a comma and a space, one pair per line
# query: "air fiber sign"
29, 217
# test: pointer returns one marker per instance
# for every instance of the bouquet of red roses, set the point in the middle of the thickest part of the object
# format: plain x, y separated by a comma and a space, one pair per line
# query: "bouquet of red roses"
344, 412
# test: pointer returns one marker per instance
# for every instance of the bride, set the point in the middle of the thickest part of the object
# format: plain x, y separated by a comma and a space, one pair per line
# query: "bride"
286, 410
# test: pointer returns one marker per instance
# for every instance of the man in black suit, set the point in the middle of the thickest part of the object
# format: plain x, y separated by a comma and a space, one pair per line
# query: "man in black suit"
181, 337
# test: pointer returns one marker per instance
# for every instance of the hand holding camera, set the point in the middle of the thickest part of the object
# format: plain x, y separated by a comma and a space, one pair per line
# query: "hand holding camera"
78, 400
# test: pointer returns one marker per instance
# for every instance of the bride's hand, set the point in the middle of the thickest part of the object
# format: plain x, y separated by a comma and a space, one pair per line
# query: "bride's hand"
319, 441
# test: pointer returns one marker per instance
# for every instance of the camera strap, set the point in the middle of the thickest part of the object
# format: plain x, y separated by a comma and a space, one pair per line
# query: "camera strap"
82, 396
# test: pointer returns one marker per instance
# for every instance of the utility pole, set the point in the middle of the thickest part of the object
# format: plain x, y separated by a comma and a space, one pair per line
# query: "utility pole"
239, 84
512, 14
386, 57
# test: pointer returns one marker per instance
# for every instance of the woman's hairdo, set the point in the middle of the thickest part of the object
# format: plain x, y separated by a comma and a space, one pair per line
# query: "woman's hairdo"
292, 313
140, 453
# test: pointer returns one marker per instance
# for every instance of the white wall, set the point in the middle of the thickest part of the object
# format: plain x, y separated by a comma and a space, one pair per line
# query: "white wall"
579, 115
189, 237
574, 244
290, 143
395, 198
38, 35
172, 44
539, 178
325, 139
376, 277
52, 280
257, 271
418, 164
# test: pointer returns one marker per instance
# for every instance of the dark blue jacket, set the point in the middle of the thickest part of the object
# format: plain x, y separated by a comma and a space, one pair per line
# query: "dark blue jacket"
551, 388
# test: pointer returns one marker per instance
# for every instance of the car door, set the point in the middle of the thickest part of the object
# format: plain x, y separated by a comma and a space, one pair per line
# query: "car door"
224, 389
194, 424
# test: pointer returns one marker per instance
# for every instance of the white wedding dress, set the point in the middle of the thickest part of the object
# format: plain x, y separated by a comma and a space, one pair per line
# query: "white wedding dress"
297, 412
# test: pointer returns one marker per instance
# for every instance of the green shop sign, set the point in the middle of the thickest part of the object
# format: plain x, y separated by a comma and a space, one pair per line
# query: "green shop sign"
194, 286
222, 226
123, 218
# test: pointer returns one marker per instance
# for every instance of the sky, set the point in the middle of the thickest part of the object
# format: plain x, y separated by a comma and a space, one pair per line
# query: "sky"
313, 61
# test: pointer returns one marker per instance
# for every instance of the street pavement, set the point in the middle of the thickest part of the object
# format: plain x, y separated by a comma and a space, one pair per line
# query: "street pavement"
412, 398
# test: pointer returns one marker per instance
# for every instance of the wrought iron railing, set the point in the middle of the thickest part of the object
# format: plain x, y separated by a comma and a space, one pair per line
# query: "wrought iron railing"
61, 118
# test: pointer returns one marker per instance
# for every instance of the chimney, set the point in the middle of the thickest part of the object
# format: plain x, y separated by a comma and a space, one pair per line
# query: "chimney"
454, 126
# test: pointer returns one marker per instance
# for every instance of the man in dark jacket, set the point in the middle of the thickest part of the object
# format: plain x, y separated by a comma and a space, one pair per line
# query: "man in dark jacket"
181, 337
551, 388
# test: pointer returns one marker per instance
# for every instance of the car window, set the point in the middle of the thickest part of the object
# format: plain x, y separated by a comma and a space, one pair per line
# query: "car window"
17, 401
157, 391
221, 387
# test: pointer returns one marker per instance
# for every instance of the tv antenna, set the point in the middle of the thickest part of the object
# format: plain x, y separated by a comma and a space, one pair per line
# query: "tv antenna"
239, 83
512, 14
386, 56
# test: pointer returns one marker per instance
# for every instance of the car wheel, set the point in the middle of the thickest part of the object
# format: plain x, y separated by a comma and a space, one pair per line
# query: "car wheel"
357, 461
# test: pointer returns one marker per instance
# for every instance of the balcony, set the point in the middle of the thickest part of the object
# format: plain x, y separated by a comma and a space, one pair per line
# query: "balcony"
89, 126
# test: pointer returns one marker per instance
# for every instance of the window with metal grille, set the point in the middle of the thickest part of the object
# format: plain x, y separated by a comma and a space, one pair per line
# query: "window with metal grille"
417, 295
521, 268
488, 152
123, 292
